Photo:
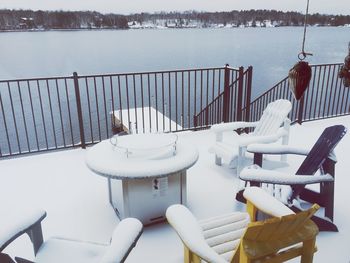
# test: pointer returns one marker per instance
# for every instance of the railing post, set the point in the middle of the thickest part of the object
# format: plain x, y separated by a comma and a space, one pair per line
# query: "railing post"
195, 122
207, 116
80, 114
226, 99
300, 110
248, 93
240, 94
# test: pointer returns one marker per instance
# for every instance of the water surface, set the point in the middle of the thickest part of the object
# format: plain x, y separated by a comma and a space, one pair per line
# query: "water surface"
271, 51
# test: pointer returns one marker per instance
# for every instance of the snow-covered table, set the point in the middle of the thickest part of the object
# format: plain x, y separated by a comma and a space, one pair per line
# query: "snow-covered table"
146, 173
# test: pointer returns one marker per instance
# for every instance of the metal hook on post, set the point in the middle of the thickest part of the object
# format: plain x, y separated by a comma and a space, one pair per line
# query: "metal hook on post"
300, 74
302, 55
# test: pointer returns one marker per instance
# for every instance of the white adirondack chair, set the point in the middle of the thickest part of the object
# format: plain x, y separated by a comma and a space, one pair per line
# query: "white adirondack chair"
55, 250
273, 125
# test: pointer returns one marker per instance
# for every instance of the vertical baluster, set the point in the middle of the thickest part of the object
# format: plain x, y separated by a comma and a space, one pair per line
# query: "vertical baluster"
135, 104
51, 113
142, 104
60, 113
5, 126
69, 112
163, 102
176, 108
169, 94
97, 110
33, 115
120, 102
156, 91
105, 105
42, 114
89, 108
23, 115
128, 102
149, 102
112, 101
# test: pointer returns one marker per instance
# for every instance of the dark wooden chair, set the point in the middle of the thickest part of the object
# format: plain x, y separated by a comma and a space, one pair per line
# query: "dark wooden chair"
320, 157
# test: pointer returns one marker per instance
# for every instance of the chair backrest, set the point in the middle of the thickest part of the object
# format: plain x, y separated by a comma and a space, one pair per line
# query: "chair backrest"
319, 153
266, 238
273, 116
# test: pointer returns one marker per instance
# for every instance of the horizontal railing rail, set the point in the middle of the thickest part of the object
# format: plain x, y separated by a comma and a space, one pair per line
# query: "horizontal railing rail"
42, 114
325, 96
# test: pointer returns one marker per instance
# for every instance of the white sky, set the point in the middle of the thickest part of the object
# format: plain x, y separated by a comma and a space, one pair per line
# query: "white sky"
136, 6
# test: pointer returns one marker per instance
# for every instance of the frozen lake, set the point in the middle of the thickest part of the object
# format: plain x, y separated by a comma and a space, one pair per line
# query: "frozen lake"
271, 51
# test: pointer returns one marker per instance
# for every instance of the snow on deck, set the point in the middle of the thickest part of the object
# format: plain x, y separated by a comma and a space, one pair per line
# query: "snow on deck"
76, 199
148, 120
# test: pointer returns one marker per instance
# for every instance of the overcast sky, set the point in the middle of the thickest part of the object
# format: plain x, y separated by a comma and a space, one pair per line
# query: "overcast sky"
136, 6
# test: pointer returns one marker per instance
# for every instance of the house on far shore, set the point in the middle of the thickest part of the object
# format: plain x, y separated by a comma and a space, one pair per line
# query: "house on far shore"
26, 23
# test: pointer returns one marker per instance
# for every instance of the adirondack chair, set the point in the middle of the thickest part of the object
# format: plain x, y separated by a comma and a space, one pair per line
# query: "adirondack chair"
267, 130
232, 238
58, 250
320, 158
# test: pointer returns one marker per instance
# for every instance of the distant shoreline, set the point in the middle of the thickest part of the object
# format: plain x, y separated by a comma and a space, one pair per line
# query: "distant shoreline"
146, 28
33, 21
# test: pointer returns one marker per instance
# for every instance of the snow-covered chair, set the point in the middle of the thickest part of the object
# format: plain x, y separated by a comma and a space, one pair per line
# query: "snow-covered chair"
317, 168
232, 238
273, 125
59, 250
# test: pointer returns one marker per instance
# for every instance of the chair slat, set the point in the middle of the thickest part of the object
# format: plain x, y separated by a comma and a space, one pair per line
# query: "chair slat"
319, 152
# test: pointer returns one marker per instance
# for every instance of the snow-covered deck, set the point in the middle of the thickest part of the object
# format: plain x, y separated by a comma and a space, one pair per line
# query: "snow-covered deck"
76, 199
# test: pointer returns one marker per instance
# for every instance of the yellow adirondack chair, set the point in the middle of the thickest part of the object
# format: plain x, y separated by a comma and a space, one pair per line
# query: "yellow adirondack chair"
231, 238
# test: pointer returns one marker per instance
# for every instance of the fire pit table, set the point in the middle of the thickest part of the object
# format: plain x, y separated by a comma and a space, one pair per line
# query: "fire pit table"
146, 173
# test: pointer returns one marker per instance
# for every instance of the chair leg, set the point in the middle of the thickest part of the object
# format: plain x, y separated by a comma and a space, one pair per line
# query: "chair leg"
190, 257
218, 160
285, 138
4, 258
308, 251
243, 258
327, 191
36, 236
240, 158
187, 258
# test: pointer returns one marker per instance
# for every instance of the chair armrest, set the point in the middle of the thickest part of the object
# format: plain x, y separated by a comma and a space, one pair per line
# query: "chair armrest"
261, 139
273, 177
276, 149
221, 127
124, 239
265, 202
191, 234
14, 226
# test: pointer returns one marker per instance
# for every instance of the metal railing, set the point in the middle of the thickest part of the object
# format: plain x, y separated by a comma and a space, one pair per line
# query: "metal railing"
325, 96
45, 114
229, 104
54, 113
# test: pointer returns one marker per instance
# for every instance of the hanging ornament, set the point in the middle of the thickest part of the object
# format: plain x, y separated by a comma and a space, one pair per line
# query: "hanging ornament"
299, 76
344, 72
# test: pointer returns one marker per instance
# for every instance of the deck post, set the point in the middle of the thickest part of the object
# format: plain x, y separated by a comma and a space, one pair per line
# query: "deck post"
80, 114
226, 98
248, 94
300, 110
239, 100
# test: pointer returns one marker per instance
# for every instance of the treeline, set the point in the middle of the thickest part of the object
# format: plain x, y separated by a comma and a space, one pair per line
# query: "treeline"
28, 19
245, 16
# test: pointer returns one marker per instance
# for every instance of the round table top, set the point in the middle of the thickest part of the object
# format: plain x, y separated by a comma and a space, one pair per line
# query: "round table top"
107, 160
